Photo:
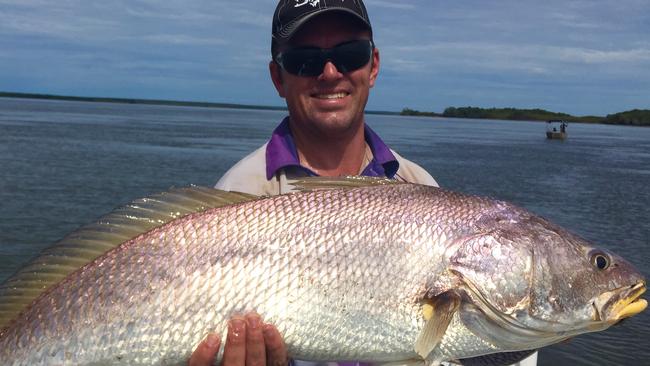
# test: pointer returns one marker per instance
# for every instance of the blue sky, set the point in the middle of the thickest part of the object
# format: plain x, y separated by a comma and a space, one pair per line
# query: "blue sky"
580, 57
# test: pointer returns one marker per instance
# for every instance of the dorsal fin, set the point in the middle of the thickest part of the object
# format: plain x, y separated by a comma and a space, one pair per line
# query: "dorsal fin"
91, 241
320, 183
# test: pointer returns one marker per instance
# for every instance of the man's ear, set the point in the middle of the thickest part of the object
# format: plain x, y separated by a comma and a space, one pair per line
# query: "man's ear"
374, 67
276, 77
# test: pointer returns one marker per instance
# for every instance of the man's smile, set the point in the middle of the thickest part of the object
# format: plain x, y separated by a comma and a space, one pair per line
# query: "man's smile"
339, 95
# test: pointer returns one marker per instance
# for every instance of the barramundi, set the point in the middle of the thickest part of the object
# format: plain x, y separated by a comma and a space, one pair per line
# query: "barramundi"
350, 269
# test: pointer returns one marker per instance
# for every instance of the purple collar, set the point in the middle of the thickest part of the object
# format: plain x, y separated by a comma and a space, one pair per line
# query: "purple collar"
281, 153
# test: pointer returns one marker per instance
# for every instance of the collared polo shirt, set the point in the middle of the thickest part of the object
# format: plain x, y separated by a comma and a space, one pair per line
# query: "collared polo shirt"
268, 170
281, 153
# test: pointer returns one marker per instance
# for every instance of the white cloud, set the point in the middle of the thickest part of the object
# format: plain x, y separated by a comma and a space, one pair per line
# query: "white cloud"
181, 39
59, 21
169, 13
536, 59
389, 4
618, 57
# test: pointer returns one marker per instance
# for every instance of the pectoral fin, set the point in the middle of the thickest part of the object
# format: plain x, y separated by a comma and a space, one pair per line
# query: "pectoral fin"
438, 313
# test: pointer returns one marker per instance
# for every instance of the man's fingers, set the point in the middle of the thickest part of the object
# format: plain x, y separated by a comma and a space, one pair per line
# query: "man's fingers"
206, 351
234, 353
276, 351
250, 342
255, 349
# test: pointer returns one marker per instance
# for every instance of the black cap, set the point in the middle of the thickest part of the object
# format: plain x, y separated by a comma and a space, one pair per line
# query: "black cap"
292, 14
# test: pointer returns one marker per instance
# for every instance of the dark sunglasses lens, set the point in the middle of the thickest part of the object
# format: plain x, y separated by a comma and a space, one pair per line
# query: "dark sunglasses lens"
310, 61
352, 56
303, 61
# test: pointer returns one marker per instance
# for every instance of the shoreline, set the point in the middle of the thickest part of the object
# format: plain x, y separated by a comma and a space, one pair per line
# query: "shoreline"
177, 103
134, 101
634, 117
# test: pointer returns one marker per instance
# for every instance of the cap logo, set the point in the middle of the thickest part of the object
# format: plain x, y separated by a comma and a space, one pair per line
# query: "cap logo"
313, 3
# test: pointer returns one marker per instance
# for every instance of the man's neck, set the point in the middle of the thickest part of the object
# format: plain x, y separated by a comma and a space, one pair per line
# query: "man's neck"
332, 156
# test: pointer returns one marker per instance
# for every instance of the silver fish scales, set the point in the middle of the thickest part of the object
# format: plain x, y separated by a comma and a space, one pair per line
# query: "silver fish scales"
379, 273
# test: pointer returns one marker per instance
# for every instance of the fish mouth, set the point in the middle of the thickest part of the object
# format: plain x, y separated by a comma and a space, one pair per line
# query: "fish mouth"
614, 306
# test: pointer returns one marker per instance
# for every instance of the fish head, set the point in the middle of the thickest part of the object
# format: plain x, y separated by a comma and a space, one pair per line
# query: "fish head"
529, 283
578, 287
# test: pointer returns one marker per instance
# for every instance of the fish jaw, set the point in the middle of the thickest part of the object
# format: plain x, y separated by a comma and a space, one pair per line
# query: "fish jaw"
614, 306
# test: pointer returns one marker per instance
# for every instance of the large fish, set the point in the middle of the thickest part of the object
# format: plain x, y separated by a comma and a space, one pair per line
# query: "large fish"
367, 271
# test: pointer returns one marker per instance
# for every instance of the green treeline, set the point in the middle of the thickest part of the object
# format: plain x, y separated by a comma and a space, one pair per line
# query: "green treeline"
413, 112
506, 114
635, 117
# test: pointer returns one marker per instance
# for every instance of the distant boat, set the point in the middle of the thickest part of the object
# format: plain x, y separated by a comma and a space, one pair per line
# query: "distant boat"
556, 129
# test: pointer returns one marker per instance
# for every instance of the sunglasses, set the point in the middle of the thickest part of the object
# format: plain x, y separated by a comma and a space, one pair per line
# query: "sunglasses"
310, 61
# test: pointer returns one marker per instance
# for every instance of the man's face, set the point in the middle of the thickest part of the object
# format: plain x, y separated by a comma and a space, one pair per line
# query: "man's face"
333, 102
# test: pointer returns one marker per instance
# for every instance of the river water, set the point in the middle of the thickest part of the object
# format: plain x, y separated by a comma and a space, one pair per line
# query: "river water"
64, 164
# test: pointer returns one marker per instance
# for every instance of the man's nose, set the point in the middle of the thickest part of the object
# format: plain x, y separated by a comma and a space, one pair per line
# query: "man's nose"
330, 72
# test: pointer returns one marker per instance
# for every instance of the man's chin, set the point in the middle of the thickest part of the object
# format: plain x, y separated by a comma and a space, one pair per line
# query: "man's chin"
336, 123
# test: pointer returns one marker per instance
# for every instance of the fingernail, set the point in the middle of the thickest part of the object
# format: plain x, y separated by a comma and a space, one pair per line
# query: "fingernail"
253, 321
212, 340
268, 331
237, 327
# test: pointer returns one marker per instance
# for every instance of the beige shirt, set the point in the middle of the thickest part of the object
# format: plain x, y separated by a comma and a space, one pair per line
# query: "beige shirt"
249, 175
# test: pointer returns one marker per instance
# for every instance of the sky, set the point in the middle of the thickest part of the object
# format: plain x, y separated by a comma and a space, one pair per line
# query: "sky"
583, 57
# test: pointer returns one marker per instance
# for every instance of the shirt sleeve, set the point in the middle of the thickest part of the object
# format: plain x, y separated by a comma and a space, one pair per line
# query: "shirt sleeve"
411, 172
249, 176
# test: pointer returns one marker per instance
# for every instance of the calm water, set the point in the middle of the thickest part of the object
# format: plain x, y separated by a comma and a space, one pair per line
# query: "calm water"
63, 164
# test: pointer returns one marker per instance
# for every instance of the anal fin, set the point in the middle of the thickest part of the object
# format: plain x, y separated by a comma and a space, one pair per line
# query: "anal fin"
410, 362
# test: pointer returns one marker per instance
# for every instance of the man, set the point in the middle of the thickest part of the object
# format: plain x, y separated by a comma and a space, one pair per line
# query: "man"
324, 63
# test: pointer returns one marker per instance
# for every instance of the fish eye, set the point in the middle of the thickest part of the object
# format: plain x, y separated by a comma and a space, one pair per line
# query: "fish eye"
600, 260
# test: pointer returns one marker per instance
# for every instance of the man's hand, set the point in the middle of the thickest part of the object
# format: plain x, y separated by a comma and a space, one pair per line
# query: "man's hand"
249, 342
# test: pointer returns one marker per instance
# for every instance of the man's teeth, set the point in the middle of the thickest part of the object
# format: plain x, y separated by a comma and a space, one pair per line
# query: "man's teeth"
331, 96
